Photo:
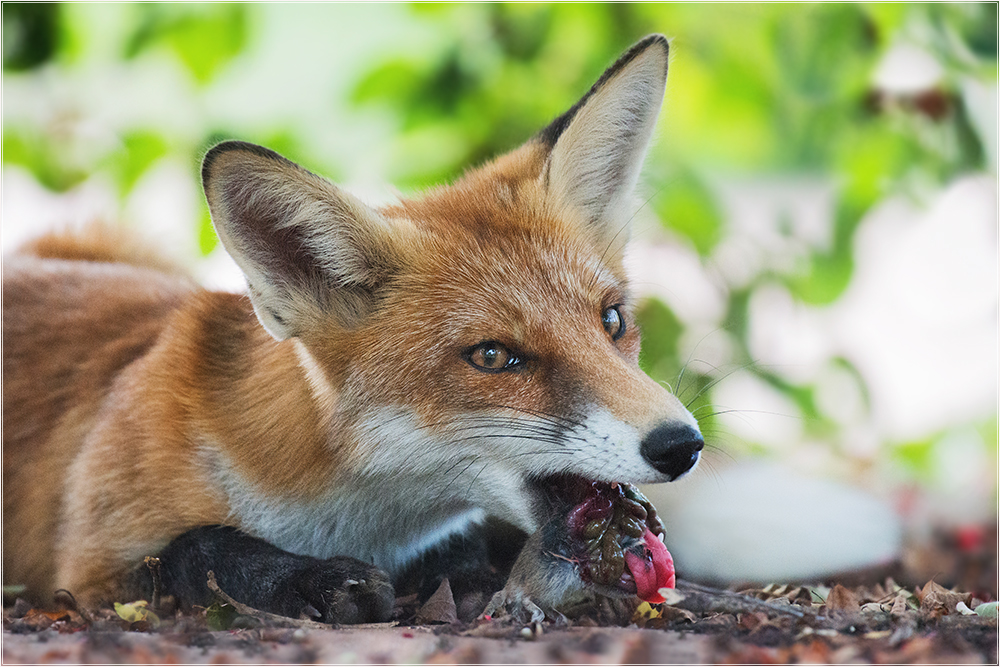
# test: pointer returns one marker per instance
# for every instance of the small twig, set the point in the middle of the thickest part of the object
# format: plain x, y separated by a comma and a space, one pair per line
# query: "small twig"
275, 620
153, 564
698, 598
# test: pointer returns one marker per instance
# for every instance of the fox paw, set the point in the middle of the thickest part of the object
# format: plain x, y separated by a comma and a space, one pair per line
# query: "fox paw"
517, 605
345, 591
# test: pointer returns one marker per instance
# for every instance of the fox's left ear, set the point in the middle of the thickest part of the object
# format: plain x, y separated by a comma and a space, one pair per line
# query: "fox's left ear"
598, 146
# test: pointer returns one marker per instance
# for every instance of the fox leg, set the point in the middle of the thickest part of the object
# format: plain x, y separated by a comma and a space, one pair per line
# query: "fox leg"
259, 574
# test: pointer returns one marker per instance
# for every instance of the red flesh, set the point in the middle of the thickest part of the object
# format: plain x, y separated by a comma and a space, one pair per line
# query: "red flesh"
652, 570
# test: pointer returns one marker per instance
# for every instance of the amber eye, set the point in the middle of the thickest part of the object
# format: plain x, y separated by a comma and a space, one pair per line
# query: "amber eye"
613, 322
491, 356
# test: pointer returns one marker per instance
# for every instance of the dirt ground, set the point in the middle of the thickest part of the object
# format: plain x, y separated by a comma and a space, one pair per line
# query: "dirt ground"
961, 640
860, 617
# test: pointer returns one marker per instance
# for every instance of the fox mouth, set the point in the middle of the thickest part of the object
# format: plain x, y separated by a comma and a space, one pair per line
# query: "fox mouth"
615, 536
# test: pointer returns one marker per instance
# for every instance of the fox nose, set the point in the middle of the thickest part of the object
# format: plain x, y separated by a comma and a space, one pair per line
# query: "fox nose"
672, 449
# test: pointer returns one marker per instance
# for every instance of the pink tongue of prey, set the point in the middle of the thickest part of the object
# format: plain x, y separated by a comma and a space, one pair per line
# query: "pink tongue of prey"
652, 570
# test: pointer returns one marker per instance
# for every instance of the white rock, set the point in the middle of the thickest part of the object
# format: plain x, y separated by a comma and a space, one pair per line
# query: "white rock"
766, 523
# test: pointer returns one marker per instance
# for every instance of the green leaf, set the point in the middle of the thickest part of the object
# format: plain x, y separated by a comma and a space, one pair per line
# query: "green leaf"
140, 150
208, 240
915, 456
204, 36
30, 34
826, 280
660, 331
688, 207
393, 80
988, 609
429, 155
138, 611
40, 155
220, 616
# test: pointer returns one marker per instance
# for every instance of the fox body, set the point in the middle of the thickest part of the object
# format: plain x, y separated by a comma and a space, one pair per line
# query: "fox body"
394, 377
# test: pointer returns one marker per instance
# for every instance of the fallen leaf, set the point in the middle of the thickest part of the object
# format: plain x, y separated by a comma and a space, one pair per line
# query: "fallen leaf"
137, 612
645, 612
34, 615
842, 599
440, 607
900, 605
987, 609
647, 615
672, 614
220, 616
751, 620
37, 619
878, 592
936, 599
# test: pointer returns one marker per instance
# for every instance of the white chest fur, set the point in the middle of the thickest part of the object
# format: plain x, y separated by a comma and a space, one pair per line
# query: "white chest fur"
385, 515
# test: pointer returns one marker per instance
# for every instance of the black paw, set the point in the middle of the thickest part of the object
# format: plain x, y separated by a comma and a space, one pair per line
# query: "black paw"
344, 590
262, 576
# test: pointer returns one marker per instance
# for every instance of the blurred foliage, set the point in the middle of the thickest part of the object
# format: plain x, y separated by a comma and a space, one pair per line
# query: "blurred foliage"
759, 89
204, 36
30, 33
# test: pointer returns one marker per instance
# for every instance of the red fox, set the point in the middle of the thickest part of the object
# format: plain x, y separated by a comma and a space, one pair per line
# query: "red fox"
396, 378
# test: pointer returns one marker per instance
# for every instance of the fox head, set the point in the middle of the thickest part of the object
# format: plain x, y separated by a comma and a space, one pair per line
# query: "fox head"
481, 339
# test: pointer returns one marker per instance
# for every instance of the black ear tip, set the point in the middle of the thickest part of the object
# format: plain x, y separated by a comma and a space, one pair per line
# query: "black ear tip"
551, 133
217, 151
657, 39
228, 146
210, 157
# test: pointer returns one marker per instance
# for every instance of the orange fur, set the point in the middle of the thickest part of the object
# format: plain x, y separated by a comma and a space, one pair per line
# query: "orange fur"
99, 242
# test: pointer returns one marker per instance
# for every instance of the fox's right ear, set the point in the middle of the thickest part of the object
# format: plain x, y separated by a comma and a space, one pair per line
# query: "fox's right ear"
307, 248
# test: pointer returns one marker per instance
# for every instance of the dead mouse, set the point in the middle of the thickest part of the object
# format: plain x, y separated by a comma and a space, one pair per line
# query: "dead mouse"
610, 544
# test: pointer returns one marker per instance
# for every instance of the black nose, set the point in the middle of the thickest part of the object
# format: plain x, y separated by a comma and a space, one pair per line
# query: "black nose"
672, 449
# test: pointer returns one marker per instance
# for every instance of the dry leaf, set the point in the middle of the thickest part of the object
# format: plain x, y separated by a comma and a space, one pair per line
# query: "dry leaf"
672, 614
645, 612
43, 619
842, 599
751, 620
655, 616
39, 619
440, 607
899, 604
936, 599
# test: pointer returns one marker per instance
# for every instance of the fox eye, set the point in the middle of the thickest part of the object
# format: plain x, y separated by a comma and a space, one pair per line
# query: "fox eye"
492, 357
613, 322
